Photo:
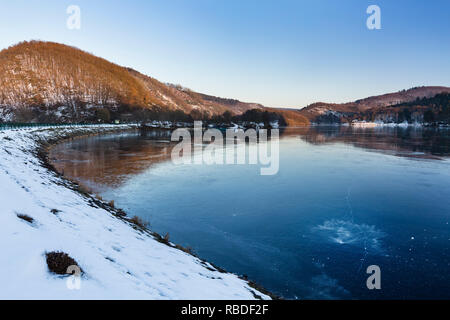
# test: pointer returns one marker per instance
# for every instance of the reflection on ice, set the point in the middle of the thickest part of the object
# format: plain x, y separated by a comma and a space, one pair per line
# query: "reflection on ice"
324, 287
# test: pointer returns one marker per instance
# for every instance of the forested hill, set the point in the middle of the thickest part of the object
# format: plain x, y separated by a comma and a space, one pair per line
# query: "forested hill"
416, 105
51, 82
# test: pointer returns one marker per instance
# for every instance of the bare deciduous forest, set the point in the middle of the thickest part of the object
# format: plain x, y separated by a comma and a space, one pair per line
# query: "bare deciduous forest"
51, 82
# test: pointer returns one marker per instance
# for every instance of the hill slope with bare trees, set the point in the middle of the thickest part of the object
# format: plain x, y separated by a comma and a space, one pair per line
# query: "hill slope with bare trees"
412, 105
51, 82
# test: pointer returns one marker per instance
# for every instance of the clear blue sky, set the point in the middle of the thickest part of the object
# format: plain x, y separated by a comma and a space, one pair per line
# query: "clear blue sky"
279, 53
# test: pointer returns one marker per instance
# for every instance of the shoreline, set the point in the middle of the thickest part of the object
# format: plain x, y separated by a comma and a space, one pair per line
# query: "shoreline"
54, 136
43, 155
380, 125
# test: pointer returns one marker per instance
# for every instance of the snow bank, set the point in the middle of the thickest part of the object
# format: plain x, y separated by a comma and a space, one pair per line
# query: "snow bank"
118, 261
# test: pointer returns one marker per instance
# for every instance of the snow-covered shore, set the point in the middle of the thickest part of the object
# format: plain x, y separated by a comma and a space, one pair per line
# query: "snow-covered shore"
118, 261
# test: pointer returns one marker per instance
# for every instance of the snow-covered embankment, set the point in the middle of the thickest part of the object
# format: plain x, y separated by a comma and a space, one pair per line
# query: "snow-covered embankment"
118, 261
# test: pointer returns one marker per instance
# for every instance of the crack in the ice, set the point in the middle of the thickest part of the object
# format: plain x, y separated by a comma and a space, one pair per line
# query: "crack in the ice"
365, 253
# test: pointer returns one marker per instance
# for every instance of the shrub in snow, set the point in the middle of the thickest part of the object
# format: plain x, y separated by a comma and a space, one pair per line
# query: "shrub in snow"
25, 217
59, 262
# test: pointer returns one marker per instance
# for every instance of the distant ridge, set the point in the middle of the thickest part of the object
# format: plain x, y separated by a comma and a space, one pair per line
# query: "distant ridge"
382, 107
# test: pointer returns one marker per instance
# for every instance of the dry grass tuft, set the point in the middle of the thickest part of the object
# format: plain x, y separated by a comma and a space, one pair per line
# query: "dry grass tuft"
139, 222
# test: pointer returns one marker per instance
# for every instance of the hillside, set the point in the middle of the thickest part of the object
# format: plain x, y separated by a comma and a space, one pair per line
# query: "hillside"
51, 82
292, 117
377, 108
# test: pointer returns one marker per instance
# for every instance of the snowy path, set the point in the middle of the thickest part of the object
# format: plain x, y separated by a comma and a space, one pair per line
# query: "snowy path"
119, 262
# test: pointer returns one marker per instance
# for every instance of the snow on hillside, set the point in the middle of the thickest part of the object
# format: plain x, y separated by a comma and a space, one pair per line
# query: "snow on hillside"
118, 261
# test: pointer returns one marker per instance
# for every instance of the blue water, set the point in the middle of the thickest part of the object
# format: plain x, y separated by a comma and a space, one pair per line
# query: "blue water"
343, 200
